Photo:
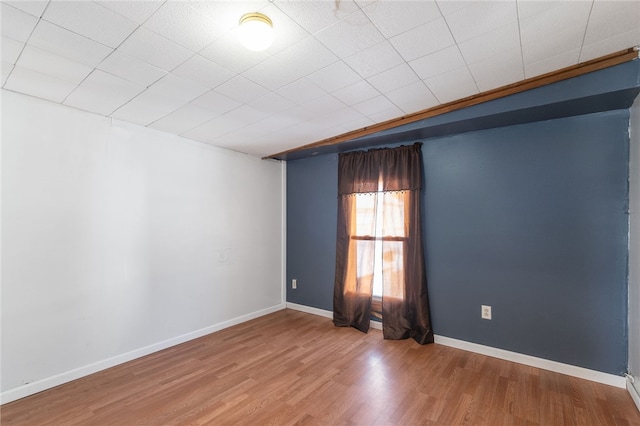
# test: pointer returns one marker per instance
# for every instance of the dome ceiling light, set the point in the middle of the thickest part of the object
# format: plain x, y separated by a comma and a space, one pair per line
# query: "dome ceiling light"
256, 31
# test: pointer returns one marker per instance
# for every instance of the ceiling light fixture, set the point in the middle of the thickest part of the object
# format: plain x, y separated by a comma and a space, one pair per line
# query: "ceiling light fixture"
256, 31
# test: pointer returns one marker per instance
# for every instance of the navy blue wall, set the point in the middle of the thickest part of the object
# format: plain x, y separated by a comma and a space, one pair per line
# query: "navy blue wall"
312, 220
530, 219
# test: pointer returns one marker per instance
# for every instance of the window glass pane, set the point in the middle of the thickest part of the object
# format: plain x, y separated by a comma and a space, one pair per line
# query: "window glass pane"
393, 266
393, 214
366, 214
380, 263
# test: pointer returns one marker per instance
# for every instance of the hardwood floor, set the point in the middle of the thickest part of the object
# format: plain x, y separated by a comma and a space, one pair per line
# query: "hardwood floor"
290, 367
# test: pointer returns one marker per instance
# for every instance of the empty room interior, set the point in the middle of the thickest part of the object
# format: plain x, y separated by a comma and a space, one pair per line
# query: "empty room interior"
320, 212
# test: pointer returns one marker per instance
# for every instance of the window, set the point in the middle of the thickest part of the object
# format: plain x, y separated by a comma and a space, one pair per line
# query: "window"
379, 257
380, 219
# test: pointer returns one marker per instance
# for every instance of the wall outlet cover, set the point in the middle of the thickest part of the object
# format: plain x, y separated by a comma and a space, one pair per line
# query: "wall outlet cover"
485, 312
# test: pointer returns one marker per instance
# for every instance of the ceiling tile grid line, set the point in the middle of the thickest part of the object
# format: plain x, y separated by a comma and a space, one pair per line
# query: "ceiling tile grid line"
586, 28
453, 68
334, 66
524, 73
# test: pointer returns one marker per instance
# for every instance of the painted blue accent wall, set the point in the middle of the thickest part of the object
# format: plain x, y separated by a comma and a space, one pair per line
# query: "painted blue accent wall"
312, 220
530, 219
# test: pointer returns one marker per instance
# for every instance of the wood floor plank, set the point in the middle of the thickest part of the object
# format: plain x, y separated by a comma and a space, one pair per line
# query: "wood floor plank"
292, 368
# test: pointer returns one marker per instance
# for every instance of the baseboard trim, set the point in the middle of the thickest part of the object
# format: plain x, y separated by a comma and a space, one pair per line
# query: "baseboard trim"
532, 361
545, 364
310, 310
68, 376
631, 388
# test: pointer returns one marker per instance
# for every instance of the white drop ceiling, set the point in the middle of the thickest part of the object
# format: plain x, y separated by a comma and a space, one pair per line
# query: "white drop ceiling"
335, 65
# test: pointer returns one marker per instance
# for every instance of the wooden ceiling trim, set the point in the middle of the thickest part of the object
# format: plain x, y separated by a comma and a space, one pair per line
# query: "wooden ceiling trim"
521, 86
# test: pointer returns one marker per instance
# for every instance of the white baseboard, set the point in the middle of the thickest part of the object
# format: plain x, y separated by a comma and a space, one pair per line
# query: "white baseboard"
633, 391
310, 310
532, 361
545, 364
59, 379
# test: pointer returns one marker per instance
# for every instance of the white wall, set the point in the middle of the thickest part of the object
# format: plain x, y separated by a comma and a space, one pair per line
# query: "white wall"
634, 245
119, 240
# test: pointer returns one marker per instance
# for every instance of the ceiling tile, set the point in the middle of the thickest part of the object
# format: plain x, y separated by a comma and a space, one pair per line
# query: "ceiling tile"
137, 11
102, 93
90, 20
528, 8
131, 69
551, 64
321, 105
16, 24
563, 18
229, 53
301, 91
146, 108
345, 116
613, 44
155, 49
356, 93
377, 105
609, 19
314, 16
65, 43
452, 85
10, 50
422, 40
203, 71
39, 85
390, 113
498, 70
480, 18
358, 122
559, 16
241, 89
179, 22
490, 44
183, 119
216, 102
243, 139
299, 60
275, 123
32, 7
552, 44
292, 137
334, 77
177, 88
394, 78
272, 103
374, 60
246, 115
356, 28
395, 17
53, 65
210, 130
447, 7
301, 114
442, 61
226, 14
318, 130
286, 31
5, 70
412, 98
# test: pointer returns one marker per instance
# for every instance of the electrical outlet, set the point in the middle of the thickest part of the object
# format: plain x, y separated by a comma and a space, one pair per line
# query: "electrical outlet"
486, 312
294, 283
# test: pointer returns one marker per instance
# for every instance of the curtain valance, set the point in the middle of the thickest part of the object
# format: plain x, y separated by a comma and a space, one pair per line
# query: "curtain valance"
359, 171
